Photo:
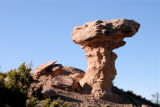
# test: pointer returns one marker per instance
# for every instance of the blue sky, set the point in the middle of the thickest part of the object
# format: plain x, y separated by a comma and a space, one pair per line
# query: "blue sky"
40, 31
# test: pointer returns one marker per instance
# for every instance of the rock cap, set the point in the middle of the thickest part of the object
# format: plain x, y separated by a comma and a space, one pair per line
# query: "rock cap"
100, 29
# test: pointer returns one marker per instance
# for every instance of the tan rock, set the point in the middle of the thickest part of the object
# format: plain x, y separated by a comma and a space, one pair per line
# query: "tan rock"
49, 93
77, 76
51, 74
56, 70
42, 69
99, 38
64, 82
145, 105
107, 29
72, 70
44, 66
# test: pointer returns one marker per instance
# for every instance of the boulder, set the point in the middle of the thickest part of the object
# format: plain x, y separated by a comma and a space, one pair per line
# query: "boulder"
56, 70
72, 70
49, 93
77, 76
42, 69
44, 66
64, 82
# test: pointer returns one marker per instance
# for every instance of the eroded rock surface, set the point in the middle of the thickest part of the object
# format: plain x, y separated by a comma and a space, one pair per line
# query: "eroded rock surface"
44, 66
51, 75
99, 39
54, 70
64, 82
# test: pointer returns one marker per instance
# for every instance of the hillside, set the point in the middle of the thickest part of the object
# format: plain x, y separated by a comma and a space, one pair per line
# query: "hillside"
19, 87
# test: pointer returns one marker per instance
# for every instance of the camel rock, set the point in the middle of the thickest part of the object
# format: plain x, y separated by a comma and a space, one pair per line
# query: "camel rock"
99, 39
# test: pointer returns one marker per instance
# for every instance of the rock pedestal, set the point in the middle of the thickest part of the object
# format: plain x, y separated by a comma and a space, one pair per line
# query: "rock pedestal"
99, 39
101, 68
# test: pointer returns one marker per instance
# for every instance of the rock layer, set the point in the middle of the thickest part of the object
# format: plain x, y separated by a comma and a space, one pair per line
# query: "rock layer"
99, 39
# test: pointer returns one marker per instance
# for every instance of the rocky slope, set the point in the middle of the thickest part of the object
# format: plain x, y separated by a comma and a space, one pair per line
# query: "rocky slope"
60, 81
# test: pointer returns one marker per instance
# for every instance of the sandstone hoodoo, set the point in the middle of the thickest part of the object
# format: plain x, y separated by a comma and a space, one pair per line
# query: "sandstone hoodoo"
99, 39
94, 87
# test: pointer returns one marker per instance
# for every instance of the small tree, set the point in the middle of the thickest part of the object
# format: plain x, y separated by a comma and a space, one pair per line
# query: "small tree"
156, 97
14, 86
19, 79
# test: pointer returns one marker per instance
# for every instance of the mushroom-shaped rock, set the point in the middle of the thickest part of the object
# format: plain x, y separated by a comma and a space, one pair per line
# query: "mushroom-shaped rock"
99, 38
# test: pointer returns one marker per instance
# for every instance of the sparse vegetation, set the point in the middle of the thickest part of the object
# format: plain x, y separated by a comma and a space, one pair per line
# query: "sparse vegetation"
57, 103
14, 88
156, 98
130, 95
32, 101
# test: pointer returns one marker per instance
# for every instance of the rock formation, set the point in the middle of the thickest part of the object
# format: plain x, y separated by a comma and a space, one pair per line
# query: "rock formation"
51, 75
99, 39
64, 82
42, 69
54, 70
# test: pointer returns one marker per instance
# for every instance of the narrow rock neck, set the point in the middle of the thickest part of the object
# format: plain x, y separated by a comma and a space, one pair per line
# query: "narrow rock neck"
100, 69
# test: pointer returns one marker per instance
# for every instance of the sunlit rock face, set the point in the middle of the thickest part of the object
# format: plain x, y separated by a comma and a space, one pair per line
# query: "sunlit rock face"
51, 75
99, 39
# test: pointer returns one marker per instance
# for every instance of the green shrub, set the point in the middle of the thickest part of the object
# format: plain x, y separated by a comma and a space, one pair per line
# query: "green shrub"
57, 103
3, 74
1, 81
46, 102
36, 92
31, 102
14, 86
19, 80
